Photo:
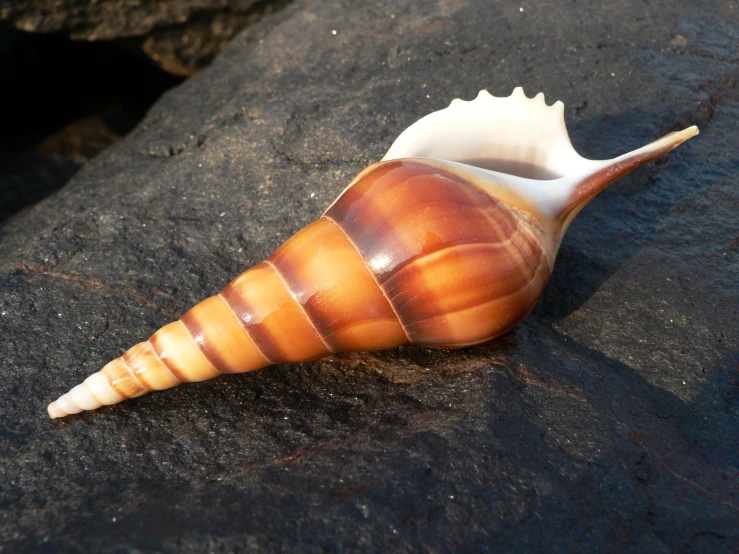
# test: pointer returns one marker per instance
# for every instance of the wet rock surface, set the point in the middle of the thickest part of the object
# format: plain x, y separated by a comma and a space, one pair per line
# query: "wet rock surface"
607, 421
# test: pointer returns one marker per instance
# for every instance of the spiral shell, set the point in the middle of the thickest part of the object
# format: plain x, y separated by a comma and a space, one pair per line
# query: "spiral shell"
447, 242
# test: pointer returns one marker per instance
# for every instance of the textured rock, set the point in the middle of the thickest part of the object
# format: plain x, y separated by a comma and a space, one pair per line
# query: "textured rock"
181, 36
607, 421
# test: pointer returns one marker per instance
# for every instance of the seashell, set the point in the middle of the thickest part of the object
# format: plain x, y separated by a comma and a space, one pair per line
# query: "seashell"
447, 242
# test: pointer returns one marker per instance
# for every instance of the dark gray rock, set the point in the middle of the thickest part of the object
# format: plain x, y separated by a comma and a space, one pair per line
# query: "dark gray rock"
607, 421
181, 36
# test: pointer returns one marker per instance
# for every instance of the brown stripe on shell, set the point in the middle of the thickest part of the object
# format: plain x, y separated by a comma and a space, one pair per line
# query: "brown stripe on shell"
239, 305
125, 359
439, 245
326, 274
218, 333
120, 377
148, 369
531, 250
454, 279
374, 278
164, 363
528, 246
475, 324
483, 321
404, 210
273, 319
161, 354
204, 343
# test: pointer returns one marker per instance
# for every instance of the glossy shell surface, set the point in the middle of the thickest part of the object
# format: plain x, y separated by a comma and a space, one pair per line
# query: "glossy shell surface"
457, 266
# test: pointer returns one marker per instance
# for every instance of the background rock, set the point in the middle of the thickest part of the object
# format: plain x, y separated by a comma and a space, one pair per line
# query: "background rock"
181, 36
606, 421
68, 101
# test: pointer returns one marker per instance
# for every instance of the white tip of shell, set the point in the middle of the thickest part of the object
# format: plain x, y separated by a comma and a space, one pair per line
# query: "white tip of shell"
63, 406
75, 401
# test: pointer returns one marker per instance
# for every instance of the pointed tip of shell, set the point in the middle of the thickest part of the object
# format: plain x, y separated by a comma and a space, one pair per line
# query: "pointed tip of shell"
673, 140
664, 144
77, 400
585, 188
690, 132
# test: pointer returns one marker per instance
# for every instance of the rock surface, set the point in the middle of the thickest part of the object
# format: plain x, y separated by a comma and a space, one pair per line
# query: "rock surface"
607, 421
181, 36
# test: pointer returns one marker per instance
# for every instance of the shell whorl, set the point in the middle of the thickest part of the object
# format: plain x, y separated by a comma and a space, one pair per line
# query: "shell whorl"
410, 252
457, 266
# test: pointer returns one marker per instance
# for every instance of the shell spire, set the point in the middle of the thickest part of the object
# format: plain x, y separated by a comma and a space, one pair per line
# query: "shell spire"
446, 242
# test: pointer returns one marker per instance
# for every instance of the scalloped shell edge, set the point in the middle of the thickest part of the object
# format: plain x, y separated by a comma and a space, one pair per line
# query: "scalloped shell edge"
515, 134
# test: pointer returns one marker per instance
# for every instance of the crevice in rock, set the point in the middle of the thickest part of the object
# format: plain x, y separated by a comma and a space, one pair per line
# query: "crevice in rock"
69, 101
185, 48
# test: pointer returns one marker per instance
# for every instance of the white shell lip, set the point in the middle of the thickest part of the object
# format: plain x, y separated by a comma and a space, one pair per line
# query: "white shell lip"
515, 135
519, 146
